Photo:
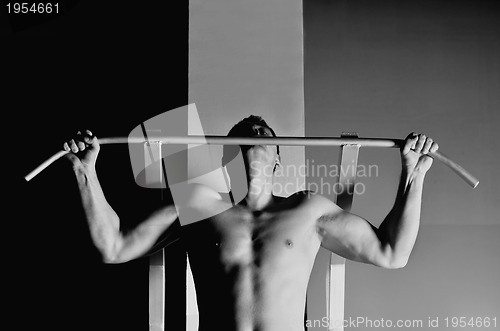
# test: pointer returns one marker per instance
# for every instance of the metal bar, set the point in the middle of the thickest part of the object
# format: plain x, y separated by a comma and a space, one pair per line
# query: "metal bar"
283, 141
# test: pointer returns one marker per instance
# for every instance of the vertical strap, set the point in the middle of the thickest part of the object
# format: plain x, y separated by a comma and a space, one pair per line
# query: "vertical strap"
154, 174
336, 276
157, 291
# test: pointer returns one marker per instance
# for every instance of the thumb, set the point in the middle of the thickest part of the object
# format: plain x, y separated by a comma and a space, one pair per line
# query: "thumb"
91, 140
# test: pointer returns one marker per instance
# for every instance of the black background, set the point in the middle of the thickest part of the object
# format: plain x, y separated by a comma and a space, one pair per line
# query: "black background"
107, 67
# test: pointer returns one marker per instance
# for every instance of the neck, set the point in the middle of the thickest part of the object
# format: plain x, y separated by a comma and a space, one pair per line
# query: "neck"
260, 194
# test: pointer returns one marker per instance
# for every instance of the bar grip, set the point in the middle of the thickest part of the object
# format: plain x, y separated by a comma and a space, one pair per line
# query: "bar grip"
458, 169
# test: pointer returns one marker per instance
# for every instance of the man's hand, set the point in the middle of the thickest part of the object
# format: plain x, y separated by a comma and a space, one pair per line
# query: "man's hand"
413, 153
83, 149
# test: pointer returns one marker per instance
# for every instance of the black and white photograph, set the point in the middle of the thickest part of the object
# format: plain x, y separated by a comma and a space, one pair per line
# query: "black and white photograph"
251, 165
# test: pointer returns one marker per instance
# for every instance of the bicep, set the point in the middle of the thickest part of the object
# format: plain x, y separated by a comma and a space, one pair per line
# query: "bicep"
351, 236
141, 239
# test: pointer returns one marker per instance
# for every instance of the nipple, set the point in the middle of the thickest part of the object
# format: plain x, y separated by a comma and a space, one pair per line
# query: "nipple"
289, 243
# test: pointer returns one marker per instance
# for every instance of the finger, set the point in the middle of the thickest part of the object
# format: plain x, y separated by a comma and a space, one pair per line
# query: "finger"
81, 145
66, 147
72, 146
427, 146
78, 137
91, 140
434, 147
420, 143
79, 141
411, 139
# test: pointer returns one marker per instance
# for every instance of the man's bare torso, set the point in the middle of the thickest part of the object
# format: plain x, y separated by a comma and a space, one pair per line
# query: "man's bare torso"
251, 270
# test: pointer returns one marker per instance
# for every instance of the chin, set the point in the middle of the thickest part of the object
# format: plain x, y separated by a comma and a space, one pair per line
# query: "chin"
258, 153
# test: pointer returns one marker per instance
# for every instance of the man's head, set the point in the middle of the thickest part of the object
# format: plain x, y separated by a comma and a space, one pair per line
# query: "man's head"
251, 126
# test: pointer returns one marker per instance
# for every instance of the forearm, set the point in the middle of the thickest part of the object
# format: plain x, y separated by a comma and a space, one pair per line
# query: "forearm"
399, 229
103, 222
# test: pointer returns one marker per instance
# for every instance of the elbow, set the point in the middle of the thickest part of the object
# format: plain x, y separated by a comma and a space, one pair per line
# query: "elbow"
109, 259
113, 253
396, 262
392, 260
113, 259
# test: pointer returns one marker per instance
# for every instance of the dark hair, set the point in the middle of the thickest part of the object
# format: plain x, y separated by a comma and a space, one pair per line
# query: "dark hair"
242, 129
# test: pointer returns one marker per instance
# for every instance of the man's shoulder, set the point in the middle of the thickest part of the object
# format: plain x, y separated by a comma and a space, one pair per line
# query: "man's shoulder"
204, 191
312, 199
196, 195
311, 205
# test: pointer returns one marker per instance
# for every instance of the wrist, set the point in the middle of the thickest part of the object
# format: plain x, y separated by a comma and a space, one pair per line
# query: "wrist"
413, 176
84, 171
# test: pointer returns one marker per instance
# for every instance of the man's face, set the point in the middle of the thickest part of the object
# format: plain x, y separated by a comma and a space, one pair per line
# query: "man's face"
260, 155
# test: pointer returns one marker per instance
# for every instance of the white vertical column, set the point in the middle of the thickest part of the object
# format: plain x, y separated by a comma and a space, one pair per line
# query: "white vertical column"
246, 58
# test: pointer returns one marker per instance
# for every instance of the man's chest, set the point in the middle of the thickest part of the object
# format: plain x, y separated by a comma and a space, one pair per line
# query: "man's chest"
240, 237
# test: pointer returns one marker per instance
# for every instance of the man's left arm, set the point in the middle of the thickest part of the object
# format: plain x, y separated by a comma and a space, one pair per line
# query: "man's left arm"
390, 245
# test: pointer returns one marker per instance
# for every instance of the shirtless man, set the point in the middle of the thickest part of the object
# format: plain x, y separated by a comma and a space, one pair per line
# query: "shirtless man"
251, 262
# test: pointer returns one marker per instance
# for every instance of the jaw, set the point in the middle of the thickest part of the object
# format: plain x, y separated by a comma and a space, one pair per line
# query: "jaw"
259, 152
259, 160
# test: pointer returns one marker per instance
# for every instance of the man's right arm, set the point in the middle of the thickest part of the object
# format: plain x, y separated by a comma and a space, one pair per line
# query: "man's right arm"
103, 222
